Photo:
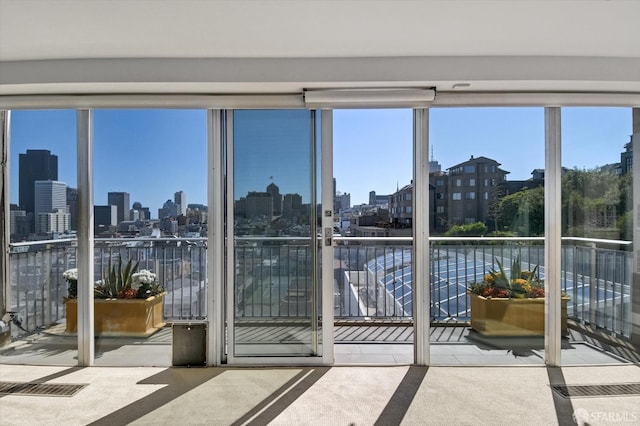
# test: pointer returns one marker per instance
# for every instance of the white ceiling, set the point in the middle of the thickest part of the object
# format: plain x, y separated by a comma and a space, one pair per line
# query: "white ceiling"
583, 35
61, 29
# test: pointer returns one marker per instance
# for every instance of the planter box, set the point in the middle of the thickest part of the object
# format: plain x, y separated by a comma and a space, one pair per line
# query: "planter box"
121, 317
511, 317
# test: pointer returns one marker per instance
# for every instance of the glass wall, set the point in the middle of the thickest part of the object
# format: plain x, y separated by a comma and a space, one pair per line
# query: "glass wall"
487, 236
597, 227
486, 218
150, 225
43, 223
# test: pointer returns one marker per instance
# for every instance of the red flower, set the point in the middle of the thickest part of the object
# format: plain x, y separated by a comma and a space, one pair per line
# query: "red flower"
536, 292
128, 293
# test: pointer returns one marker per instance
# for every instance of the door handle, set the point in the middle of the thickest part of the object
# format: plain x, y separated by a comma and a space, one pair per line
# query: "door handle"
328, 237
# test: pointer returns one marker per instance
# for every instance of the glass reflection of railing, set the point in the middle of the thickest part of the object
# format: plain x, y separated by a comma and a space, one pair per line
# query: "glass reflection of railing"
373, 277
597, 275
273, 277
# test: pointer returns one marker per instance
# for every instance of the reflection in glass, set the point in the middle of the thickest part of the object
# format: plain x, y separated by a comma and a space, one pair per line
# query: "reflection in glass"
274, 227
597, 226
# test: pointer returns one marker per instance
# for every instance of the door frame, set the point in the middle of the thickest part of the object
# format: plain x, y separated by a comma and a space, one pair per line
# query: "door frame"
227, 315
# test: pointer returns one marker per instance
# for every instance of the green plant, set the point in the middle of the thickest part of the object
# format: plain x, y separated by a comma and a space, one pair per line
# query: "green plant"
119, 282
116, 283
476, 229
518, 283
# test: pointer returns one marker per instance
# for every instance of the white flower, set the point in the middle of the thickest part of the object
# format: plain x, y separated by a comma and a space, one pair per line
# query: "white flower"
70, 274
144, 276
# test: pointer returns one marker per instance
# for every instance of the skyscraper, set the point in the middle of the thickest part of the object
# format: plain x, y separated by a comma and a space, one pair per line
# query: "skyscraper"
104, 217
169, 209
121, 200
277, 198
180, 199
72, 202
50, 198
35, 164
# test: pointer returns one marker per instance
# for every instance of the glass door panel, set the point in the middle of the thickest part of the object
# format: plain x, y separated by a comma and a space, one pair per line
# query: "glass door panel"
42, 250
274, 294
597, 234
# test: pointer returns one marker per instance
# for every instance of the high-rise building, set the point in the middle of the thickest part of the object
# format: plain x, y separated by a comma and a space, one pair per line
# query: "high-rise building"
434, 166
180, 200
121, 200
277, 198
145, 213
341, 201
169, 209
345, 201
72, 202
35, 164
56, 221
49, 197
18, 224
259, 204
141, 212
292, 205
104, 217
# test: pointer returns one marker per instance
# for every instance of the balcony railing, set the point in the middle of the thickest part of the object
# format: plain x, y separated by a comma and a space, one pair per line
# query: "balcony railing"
38, 289
373, 276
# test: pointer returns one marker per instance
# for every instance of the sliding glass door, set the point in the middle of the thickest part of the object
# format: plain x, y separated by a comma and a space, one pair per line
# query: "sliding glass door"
272, 224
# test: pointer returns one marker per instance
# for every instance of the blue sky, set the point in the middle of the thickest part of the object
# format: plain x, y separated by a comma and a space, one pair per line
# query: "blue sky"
153, 153
373, 148
150, 154
272, 146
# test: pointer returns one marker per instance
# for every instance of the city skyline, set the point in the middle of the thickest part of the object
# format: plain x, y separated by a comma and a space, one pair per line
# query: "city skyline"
455, 134
151, 154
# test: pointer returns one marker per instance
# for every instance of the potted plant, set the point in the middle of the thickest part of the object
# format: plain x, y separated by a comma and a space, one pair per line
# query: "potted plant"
127, 302
510, 304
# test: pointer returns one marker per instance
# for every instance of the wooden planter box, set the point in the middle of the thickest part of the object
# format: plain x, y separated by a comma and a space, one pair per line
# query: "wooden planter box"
121, 317
511, 317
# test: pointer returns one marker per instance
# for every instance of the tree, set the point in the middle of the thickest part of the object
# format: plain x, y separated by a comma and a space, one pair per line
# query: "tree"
593, 202
522, 212
477, 229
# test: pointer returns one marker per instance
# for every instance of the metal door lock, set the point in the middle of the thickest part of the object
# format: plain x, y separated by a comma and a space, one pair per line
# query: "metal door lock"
328, 237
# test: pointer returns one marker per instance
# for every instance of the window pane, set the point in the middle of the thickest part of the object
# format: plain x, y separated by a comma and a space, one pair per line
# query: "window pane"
476, 145
43, 224
597, 230
150, 196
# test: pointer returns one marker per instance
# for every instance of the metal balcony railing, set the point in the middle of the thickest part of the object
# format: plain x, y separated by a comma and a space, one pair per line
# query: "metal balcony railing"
373, 277
37, 288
